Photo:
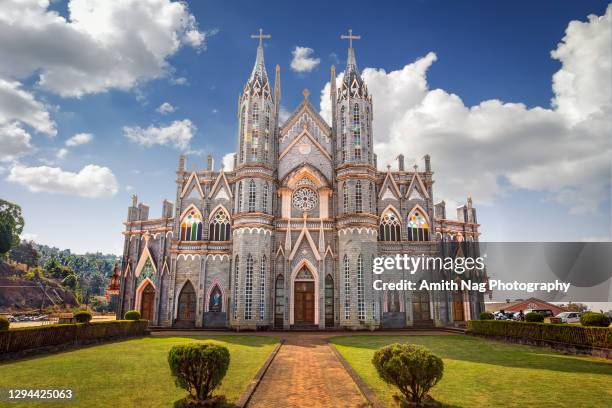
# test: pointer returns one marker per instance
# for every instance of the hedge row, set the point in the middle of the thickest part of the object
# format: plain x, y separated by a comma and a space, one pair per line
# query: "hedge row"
562, 333
30, 338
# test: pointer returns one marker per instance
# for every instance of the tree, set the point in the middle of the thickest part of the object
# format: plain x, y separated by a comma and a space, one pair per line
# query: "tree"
575, 307
11, 225
25, 253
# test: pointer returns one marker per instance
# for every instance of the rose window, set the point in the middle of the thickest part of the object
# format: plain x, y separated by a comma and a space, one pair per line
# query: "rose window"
304, 199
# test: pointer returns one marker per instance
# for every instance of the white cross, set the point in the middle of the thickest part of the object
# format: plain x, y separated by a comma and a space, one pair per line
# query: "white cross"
350, 37
261, 36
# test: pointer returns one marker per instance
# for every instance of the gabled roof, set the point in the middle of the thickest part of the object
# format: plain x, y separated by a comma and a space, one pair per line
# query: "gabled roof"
306, 134
416, 181
389, 182
221, 182
305, 234
305, 106
193, 176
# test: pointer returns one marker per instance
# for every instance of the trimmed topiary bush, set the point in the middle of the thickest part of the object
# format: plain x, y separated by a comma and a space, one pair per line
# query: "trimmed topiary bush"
413, 369
82, 316
594, 319
132, 315
487, 316
534, 317
199, 369
4, 323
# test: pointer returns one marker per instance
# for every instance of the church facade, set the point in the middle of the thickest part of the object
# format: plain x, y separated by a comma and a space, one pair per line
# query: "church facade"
288, 237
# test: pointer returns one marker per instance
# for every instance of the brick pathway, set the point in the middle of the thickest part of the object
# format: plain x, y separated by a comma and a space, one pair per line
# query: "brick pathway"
305, 373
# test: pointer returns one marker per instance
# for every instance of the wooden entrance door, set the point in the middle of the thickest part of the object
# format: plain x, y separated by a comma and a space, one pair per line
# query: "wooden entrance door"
458, 307
187, 303
146, 302
420, 306
304, 303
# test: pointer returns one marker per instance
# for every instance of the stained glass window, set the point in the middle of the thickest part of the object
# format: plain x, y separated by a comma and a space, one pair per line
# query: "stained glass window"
248, 289
389, 229
360, 290
347, 289
357, 132
304, 199
191, 226
219, 228
358, 198
418, 227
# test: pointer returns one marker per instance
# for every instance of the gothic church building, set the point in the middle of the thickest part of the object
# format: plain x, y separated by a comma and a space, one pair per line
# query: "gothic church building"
288, 237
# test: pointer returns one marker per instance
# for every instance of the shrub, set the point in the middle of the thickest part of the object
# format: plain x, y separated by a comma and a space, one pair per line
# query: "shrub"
4, 323
132, 315
82, 316
487, 316
561, 333
412, 369
594, 319
199, 369
534, 317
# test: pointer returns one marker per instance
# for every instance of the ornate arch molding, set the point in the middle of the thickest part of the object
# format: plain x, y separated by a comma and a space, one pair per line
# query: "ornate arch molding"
315, 274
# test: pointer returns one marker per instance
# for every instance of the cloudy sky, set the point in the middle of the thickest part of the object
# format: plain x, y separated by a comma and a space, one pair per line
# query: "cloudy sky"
512, 101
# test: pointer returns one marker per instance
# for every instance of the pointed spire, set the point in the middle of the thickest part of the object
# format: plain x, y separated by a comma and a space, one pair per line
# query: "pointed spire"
259, 69
351, 62
288, 236
277, 88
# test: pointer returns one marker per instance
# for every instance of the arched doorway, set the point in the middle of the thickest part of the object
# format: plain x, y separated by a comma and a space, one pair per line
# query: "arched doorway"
146, 302
420, 307
186, 306
329, 301
304, 298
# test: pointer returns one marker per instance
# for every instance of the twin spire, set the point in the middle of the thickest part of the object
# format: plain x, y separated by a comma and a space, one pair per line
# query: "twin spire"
259, 69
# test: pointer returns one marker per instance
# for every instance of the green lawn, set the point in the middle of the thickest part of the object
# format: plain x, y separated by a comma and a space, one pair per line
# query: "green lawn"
131, 373
484, 373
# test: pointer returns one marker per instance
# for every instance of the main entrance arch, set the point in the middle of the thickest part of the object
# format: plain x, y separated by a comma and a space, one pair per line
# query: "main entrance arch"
186, 308
147, 301
304, 295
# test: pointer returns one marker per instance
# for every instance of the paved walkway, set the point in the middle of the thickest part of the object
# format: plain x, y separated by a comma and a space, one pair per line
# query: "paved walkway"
305, 373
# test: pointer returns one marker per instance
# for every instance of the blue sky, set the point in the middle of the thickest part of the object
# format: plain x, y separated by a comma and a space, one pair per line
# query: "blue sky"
483, 51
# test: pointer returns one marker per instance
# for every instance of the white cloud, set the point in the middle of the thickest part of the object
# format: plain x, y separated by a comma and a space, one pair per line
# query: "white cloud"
28, 236
283, 115
302, 59
129, 188
178, 81
14, 142
165, 108
91, 181
79, 139
487, 149
178, 134
62, 153
228, 161
102, 44
17, 105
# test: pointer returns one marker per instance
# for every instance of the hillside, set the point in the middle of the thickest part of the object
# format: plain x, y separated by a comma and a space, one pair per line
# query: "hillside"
19, 294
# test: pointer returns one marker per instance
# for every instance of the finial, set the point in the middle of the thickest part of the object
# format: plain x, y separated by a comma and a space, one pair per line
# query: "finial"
261, 36
306, 93
134, 200
415, 167
388, 167
350, 37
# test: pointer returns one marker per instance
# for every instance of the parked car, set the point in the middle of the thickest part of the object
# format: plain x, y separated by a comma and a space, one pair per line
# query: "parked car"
545, 312
569, 317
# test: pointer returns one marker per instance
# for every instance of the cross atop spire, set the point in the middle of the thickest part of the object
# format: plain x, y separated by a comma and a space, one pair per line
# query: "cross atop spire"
351, 62
260, 69
350, 37
261, 36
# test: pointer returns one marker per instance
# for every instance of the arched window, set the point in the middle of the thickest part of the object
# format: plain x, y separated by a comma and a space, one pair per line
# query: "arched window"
343, 133
191, 226
389, 229
357, 132
347, 289
255, 131
239, 204
345, 197
215, 301
248, 289
241, 132
219, 227
360, 290
370, 195
252, 196
267, 133
236, 284
263, 272
418, 227
358, 198
264, 199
